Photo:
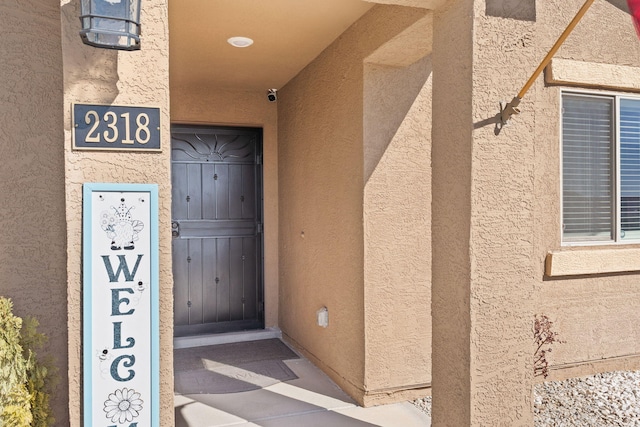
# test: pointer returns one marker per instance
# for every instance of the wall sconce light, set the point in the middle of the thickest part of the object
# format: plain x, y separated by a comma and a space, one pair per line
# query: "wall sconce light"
111, 24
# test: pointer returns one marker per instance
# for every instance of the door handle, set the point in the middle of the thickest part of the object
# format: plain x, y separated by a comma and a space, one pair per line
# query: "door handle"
175, 229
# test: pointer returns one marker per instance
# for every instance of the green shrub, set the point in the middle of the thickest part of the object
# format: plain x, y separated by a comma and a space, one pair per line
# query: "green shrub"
23, 399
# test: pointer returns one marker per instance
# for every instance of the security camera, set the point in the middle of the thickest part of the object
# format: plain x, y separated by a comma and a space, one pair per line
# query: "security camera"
272, 95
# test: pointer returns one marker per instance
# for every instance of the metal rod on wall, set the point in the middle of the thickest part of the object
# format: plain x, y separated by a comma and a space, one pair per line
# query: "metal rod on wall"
510, 109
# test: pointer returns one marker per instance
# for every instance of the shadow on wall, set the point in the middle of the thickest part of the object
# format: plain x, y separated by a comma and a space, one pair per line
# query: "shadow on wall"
523, 10
91, 74
389, 93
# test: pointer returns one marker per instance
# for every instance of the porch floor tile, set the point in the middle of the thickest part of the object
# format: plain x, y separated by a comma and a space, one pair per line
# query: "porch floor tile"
310, 400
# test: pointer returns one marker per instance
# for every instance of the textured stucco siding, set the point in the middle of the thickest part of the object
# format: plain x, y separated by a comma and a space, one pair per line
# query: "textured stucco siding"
483, 212
397, 228
597, 316
322, 186
101, 76
451, 166
213, 106
502, 222
33, 253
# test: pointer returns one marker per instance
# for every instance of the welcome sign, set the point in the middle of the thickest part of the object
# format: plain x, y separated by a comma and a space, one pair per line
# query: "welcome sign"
120, 300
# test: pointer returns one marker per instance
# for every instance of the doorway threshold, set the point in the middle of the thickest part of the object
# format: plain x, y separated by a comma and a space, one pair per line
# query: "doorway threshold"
226, 338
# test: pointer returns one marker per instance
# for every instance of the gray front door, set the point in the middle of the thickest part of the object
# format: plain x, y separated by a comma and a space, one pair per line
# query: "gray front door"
217, 229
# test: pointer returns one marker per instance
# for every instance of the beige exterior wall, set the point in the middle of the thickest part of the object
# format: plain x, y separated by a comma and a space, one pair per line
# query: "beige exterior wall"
598, 315
139, 78
33, 251
338, 158
512, 179
451, 165
483, 213
215, 106
397, 229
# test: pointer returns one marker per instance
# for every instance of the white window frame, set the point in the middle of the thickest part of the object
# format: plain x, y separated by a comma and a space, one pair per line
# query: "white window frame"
616, 97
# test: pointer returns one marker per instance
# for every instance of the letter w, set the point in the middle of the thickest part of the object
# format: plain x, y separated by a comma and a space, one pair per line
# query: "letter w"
123, 267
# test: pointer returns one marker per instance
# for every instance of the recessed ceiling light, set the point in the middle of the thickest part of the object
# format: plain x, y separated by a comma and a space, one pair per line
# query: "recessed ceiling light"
240, 41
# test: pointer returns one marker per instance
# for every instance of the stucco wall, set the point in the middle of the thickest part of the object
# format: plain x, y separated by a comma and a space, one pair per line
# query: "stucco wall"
215, 106
397, 228
597, 316
101, 76
321, 116
482, 218
451, 212
502, 224
32, 253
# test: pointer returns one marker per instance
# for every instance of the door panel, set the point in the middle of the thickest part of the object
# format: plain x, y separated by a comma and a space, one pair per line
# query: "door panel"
195, 262
217, 224
208, 191
209, 298
180, 275
248, 192
235, 191
236, 303
179, 190
222, 195
222, 271
194, 191
250, 294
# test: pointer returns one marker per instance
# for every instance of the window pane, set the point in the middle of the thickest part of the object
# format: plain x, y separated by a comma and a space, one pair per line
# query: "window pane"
630, 169
587, 168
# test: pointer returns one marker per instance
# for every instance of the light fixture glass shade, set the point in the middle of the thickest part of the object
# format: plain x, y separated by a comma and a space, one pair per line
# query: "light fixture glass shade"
111, 24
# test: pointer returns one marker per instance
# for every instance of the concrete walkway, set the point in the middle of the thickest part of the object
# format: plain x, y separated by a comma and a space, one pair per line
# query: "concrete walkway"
308, 398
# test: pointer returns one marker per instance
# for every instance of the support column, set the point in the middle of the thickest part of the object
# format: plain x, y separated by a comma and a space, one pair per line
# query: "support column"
482, 221
120, 78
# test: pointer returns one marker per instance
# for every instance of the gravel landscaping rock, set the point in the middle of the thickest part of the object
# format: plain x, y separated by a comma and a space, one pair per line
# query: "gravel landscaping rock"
608, 399
424, 405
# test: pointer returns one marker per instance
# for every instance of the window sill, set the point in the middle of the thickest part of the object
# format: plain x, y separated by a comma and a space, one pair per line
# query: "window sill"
586, 262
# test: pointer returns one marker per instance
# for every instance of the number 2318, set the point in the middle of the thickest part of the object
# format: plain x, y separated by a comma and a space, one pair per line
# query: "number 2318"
112, 121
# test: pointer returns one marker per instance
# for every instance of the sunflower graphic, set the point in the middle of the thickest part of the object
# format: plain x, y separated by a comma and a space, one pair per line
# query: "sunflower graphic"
123, 405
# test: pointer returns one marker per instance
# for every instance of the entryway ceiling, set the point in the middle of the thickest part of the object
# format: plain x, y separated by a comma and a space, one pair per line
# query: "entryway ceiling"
287, 35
